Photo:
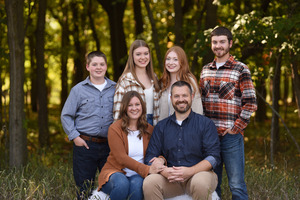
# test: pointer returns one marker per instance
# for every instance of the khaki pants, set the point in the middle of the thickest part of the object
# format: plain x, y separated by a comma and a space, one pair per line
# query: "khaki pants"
200, 186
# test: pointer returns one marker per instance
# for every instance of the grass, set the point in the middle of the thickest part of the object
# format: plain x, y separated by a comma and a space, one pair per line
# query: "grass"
36, 180
49, 175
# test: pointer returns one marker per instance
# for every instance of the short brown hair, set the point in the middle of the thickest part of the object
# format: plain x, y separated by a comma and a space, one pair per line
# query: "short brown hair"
93, 54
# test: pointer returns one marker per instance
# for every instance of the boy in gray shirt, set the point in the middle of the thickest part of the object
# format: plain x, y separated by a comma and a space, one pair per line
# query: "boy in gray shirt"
86, 116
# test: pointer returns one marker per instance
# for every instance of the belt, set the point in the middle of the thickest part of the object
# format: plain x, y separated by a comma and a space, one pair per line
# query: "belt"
94, 139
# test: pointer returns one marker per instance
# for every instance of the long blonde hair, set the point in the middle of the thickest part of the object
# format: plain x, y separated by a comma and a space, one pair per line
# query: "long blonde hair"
183, 74
130, 65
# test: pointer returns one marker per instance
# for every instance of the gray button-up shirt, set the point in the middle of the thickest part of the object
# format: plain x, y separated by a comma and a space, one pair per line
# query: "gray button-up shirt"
87, 110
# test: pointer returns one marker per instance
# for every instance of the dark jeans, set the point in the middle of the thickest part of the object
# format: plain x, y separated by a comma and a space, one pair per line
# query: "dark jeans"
85, 165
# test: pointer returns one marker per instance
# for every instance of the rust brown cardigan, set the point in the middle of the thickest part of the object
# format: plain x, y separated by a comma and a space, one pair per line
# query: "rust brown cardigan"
118, 158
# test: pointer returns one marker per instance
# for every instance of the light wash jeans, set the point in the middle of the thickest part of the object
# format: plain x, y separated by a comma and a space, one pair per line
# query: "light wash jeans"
232, 155
120, 187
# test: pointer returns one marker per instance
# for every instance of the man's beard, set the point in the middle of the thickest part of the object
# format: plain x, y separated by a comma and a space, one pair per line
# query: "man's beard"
182, 111
223, 52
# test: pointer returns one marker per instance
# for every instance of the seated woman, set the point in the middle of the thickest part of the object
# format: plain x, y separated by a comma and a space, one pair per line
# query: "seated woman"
123, 174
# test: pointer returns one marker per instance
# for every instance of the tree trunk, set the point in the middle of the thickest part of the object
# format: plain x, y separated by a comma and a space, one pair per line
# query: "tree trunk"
154, 35
198, 29
65, 42
33, 74
276, 97
296, 79
115, 10
41, 78
261, 106
92, 24
178, 23
79, 62
15, 29
286, 86
210, 22
138, 17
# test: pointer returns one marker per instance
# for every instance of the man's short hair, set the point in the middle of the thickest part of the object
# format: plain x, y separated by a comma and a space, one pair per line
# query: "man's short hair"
181, 84
221, 30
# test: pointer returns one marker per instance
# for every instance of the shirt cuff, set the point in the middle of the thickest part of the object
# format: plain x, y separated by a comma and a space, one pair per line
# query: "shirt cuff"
236, 130
212, 161
73, 135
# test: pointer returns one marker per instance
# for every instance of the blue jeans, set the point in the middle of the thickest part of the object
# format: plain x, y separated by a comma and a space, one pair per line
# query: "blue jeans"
85, 165
232, 155
150, 119
120, 187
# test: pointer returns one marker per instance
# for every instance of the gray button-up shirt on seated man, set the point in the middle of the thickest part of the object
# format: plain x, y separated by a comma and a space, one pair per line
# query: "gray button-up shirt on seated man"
190, 145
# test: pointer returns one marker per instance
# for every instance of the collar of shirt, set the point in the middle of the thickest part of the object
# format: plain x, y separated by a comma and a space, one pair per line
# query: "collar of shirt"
228, 63
173, 118
110, 83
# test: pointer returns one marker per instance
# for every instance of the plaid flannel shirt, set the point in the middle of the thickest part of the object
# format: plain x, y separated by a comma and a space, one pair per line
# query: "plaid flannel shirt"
128, 83
228, 95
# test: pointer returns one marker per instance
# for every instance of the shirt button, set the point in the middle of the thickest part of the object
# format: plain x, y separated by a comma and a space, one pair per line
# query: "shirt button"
179, 138
101, 106
178, 149
178, 161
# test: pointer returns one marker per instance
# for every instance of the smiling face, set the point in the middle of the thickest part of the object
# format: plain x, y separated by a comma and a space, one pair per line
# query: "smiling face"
172, 62
220, 47
181, 99
141, 57
134, 109
97, 68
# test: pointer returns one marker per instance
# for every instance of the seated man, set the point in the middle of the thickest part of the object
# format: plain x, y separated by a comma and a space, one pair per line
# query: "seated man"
189, 142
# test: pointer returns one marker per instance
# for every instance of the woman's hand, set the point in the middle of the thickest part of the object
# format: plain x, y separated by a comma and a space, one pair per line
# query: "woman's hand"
157, 165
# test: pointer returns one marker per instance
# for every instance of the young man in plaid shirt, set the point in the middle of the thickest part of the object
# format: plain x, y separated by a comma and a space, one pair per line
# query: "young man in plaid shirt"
229, 99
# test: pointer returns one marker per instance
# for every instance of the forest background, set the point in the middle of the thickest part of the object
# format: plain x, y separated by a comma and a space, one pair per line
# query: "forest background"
42, 55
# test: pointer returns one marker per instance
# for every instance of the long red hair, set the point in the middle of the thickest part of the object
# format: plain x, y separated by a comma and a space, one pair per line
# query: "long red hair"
183, 74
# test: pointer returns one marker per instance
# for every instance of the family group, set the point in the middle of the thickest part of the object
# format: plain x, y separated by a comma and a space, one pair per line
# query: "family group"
155, 139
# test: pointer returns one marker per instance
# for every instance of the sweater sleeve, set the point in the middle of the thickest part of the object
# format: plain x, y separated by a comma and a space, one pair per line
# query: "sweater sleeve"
120, 91
117, 141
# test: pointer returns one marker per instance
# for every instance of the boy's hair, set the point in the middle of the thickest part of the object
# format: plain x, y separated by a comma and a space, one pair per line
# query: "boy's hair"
93, 54
181, 84
221, 30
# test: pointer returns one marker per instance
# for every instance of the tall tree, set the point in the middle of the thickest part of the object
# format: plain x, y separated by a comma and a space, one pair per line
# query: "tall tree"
80, 50
178, 23
275, 99
15, 30
65, 42
296, 78
115, 10
138, 17
92, 24
154, 34
210, 22
41, 78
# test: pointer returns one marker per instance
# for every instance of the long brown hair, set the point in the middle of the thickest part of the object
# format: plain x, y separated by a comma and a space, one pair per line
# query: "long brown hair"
142, 123
184, 73
130, 65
